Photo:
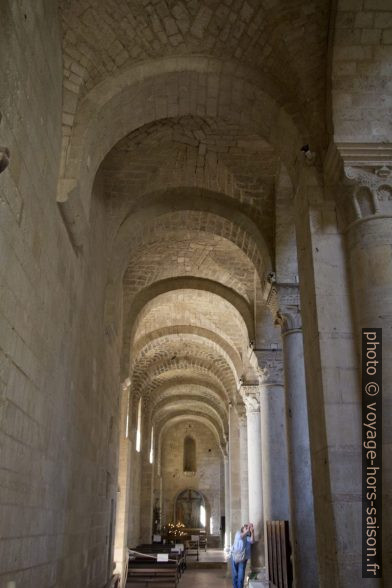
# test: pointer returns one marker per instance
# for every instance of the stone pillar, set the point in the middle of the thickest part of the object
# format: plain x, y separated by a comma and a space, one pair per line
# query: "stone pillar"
147, 480
274, 441
251, 396
235, 479
227, 502
368, 226
242, 423
303, 531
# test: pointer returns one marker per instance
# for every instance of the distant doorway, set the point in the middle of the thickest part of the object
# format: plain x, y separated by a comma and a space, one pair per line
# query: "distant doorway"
190, 509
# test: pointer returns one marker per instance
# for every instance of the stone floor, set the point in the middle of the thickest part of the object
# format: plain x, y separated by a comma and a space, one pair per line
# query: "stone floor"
213, 555
194, 578
200, 578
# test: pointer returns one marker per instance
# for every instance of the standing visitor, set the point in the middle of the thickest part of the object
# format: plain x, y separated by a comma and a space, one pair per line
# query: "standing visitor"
240, 553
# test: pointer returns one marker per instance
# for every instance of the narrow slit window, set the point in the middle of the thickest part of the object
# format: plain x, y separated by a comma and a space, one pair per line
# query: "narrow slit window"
152, 446
202, 516
189, 454
139, 426
127, 420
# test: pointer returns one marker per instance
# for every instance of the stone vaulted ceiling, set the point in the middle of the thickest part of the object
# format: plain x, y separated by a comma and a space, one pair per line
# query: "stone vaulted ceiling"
190, 198
285, 42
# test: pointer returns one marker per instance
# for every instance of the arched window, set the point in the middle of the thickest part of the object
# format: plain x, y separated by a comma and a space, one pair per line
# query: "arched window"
139, 426
189, 454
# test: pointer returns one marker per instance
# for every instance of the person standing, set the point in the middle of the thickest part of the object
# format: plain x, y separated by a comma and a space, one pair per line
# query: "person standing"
240, 553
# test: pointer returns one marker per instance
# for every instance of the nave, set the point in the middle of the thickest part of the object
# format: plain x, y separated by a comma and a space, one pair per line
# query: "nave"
195, 229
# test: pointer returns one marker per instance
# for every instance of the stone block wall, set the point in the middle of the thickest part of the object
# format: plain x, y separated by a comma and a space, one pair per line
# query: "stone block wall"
207, 478
361, 79
58, 403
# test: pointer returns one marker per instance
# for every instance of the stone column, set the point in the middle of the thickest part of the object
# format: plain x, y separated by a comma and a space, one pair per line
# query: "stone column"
303, 531
147, 480
368, 225
242, 423
235, 480
274, 441
251, 396
227, 502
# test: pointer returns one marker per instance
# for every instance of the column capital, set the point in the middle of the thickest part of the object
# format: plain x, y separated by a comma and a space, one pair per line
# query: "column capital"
360, 175
251, 397
284, 303
241, 413
271, 373
288, 315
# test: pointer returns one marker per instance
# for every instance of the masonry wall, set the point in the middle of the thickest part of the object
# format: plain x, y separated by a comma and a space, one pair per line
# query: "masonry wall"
208, 475
58, 402
361, 71
331, 366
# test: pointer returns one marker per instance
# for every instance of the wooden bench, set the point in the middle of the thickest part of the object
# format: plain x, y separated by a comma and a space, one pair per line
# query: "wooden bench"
192, 548
169, 549
203, 541
145, 568
280, 572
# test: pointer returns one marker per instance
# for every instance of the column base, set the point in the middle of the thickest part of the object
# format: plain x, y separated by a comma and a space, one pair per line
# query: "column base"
261, 580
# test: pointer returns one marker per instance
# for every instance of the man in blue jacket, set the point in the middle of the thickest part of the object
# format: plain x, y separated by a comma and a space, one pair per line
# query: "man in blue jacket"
240, 553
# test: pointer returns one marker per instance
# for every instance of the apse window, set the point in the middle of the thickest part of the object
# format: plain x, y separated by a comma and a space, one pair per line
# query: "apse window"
152, 446
189, 455
202, 516
139, 426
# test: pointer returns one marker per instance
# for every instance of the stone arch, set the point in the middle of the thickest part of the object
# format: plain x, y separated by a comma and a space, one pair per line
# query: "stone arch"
144, 299
191, 330
188, 403
179, 495
226, 220
193, 151
201, 361
208, 208
222, 334
222, 398
173, 419
104, 116
185, 389
167, 345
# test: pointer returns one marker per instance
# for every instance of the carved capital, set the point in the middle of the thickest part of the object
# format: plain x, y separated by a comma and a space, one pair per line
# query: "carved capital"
251, 397
289, 320
241, 413
287, 310
360, 176
271, 373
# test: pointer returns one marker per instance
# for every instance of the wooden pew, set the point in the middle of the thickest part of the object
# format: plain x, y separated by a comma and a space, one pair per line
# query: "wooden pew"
203, 541
144, 568
192, 547
169, 549
280, 572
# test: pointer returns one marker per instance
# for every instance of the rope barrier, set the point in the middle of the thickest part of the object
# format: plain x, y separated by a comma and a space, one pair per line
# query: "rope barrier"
148, 555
